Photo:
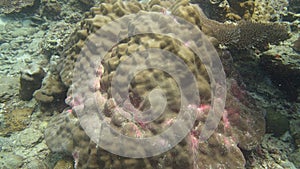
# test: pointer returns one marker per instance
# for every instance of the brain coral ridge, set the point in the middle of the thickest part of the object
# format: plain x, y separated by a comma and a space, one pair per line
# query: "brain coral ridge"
241, 124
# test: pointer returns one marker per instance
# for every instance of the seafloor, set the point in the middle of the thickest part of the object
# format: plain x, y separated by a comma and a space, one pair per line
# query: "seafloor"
39, 39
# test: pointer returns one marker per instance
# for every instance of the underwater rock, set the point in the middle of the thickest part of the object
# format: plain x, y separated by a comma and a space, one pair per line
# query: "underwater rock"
9, 88
291, 17
29, 137
63, 164
88, 2
37, 164
10, 160
273, 153
284, 70
50, 9
30, 81
294, 6
51, 95
276, 123
294, 157
11, 6
295, 131
15, 120
22, 32
296, 45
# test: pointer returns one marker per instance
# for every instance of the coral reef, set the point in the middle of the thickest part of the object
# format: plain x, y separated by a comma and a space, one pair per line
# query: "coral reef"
241, 127
244, 34
11, 6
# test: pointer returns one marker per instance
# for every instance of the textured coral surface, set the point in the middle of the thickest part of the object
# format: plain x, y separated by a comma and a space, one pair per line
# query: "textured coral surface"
241, 126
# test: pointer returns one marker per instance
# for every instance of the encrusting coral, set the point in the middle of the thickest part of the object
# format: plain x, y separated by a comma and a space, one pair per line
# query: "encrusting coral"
241, 127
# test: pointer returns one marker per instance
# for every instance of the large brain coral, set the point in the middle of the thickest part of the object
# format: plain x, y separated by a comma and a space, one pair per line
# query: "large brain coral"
91, 88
